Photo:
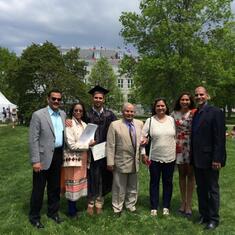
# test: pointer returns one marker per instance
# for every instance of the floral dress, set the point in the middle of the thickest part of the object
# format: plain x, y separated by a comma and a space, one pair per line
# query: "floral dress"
183, 123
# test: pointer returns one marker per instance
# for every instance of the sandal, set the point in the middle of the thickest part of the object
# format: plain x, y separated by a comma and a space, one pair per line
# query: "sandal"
181, 212
188, 215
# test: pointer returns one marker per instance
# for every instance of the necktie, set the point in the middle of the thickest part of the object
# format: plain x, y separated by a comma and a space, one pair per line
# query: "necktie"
132, 134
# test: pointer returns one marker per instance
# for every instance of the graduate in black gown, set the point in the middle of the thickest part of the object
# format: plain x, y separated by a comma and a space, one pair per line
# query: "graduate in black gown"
99, 178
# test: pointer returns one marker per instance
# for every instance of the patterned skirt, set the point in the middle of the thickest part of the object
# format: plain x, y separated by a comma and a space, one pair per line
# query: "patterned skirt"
74, 180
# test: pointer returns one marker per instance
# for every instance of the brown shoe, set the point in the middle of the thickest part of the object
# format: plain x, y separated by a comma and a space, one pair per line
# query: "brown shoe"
98, 210
90, 210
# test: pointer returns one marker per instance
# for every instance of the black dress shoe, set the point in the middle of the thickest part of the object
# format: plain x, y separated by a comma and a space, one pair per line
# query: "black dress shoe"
37, 223
211, 225
56, 218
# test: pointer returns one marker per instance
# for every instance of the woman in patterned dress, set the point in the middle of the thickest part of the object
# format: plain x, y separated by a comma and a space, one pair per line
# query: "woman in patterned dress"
74, 175
183, 114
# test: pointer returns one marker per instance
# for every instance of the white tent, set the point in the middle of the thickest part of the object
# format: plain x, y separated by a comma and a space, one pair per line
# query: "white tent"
4, 102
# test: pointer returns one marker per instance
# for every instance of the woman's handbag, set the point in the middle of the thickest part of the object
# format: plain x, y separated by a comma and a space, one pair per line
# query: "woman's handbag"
71, 158
148, 145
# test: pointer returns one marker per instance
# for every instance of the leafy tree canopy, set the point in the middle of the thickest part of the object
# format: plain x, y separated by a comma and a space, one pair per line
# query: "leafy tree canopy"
173, 40
7, 58
102, 74
42, 68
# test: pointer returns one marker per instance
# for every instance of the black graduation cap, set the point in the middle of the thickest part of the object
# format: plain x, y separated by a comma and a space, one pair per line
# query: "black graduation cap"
98, 88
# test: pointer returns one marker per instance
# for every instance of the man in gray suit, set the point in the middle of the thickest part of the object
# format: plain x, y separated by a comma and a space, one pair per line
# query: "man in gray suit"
123, 157
46, 150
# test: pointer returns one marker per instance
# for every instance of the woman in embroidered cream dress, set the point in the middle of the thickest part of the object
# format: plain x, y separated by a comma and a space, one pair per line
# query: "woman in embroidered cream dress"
183, 114
74, 171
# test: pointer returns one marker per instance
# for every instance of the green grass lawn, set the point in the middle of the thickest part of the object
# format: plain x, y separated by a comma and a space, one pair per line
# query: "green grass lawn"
15, 189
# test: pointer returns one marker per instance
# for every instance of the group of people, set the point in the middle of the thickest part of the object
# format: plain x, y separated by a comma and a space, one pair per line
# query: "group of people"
10, 115
193, 138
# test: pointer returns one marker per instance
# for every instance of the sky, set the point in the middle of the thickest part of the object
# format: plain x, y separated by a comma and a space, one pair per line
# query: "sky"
66, 23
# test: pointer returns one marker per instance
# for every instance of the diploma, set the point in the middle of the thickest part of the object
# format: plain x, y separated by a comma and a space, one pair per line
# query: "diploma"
98, 151
88, 134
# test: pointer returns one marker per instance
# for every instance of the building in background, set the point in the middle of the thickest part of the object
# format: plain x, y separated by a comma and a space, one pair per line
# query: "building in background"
114, 56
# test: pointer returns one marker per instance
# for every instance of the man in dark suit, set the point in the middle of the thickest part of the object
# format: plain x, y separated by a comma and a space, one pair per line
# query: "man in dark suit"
46, 149
208, 156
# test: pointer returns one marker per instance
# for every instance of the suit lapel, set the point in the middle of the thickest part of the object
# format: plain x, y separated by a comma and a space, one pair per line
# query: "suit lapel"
48, 118
62, 117
125, 131
202, 117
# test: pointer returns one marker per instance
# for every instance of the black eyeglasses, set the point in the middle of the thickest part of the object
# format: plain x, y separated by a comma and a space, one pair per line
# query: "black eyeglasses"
54, 99
78, 110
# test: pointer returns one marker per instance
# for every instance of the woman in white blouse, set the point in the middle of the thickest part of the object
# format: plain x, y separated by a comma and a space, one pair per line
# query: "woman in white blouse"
162, 154
74, 171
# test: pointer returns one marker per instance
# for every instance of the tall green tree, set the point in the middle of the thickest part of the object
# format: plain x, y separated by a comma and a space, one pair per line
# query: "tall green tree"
40, 69
102, 74
74, 64
7, 59
172, 38
76, 69
223, 42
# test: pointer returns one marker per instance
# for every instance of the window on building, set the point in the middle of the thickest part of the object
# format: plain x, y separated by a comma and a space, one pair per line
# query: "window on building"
120, 83
129, 83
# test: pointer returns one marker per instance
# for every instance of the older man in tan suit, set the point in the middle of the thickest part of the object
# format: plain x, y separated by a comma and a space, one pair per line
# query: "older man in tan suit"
123, 157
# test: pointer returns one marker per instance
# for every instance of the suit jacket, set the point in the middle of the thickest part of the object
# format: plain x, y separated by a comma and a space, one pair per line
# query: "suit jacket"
120, 151
208, 138
42, 137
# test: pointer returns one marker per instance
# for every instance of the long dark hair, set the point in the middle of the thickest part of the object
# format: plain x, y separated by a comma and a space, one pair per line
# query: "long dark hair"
177, 103
84, 117
155, 102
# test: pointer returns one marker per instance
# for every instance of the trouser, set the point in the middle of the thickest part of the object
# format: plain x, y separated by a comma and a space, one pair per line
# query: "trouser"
51, 177
124, 190
157, 169
95, 197
208, 193
72, 209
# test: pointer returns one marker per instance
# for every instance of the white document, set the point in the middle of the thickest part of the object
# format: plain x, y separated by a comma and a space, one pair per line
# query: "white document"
98, 151
88, 134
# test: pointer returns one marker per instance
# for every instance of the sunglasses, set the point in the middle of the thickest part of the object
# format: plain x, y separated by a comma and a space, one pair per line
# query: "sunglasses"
54, 99
78, 110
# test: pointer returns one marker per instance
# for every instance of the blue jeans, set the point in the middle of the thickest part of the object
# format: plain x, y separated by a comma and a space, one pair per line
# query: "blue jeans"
157, 169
